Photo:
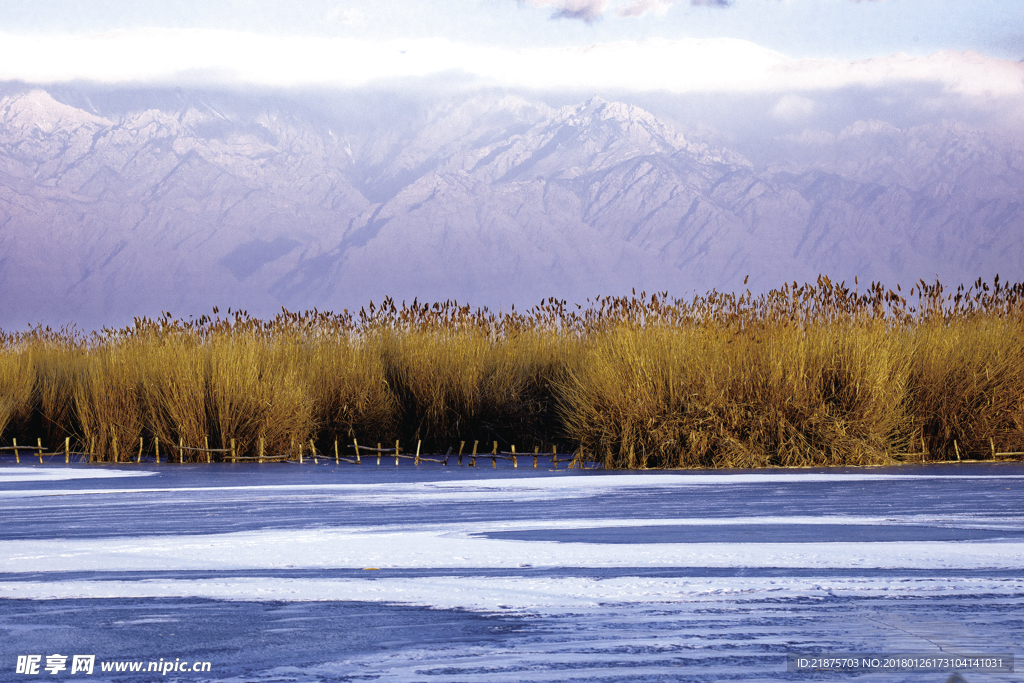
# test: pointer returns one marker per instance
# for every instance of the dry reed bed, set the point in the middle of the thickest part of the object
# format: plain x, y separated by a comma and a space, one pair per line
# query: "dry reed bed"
804, 375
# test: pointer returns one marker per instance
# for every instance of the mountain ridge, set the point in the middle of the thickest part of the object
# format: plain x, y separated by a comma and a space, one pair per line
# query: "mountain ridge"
490, 199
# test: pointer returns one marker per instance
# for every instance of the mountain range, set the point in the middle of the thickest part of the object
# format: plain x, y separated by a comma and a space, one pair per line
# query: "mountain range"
185, 202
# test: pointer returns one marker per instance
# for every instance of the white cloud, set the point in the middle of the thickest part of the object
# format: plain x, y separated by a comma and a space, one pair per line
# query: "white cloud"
589, 10
691, 65
793, 108
346, 17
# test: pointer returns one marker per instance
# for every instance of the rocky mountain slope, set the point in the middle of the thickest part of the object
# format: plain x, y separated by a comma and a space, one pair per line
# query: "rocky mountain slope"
492, 200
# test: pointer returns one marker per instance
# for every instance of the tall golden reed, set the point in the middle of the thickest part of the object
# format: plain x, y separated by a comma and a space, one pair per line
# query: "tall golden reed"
212, 387
712, 397
448, 383
813, 374
17, 379
59, 360
109, 398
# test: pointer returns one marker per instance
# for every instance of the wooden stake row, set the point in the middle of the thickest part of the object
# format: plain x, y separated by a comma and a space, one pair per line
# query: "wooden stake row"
397, 450
16, 448
494, 455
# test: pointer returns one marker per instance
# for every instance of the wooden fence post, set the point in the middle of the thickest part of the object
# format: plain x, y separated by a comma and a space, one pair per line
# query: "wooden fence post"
181, 451
300, 452
312, 448
418, 444
156, 444
39, 444
554, 456
234, 453
67, 449
206, 445
397, 451
337, 460
139, 459
262, 443
117, 458
536, 450
515, 463
17, 458
378, 453
355, 441
472, 463
494, 460
462, 444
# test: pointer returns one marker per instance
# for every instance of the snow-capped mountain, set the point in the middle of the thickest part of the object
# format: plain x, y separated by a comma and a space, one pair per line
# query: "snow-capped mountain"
109, 212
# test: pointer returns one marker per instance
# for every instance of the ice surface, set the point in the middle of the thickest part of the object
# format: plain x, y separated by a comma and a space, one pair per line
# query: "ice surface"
306, 574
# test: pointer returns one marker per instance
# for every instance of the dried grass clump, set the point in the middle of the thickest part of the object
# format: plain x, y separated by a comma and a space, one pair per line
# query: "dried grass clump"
17, 379
109, 399
713, 397
59, 360
225, 390
804, 375
457, 372
347, 385
225, 384
968, 385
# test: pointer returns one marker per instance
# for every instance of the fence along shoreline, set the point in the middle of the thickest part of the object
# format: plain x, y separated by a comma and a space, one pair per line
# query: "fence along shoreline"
571, 460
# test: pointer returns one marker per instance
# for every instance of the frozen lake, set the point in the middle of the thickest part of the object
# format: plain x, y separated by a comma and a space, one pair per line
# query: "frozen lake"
280, 572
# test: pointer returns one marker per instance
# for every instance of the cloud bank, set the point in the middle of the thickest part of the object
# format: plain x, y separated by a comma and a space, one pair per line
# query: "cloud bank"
190, 56
589, 10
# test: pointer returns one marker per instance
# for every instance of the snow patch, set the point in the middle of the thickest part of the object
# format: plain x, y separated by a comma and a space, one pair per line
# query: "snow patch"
460, 546
17, 474
514, 593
